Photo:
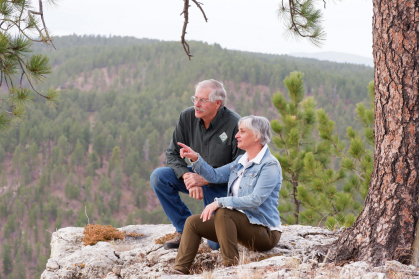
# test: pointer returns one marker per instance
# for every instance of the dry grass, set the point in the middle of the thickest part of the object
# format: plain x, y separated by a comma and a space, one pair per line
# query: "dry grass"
165, 238
292, 263
264, 257
205, 262
95, 233
204, 249
207, 275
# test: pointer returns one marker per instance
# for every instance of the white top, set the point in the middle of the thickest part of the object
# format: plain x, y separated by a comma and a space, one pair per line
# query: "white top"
244, 161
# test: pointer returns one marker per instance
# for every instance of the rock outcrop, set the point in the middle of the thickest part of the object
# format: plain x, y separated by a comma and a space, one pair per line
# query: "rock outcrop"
296, 256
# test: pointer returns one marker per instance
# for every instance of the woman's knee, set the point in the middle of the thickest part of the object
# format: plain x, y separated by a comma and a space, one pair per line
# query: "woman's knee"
220, 214
192, 222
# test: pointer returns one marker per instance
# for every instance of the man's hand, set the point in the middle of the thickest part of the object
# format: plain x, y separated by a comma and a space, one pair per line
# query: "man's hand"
192, 179
209, 209
196, 193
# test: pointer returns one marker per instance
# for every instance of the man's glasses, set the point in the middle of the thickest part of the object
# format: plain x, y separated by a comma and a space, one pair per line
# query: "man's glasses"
200, 101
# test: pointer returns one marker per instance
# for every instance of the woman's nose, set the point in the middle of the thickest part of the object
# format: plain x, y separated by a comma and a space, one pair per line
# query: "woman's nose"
237, 135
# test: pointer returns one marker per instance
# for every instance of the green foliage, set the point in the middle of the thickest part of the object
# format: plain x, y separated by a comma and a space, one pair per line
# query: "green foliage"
71, 191
309, 193
7, 258
302, 19
15, 47
115, 159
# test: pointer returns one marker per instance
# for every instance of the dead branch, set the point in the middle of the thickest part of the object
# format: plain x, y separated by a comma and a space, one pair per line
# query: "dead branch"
185, 14
202, 10
41, 14
185, 25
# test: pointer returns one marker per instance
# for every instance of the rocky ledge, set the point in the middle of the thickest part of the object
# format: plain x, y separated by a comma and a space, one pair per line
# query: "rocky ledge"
296, 256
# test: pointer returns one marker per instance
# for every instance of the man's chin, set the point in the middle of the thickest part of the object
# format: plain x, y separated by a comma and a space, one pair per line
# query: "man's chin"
198, 114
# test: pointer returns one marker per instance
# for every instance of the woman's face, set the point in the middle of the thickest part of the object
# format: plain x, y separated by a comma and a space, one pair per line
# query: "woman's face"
245, 138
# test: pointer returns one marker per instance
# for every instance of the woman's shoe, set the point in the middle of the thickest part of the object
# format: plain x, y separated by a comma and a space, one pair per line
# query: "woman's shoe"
175, 271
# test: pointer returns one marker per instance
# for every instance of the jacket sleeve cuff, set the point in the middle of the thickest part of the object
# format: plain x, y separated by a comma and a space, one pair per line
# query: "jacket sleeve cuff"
225, 202
181, 171
197, 163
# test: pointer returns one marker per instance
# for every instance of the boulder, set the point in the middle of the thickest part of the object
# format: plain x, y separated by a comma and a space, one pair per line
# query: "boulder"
296, 256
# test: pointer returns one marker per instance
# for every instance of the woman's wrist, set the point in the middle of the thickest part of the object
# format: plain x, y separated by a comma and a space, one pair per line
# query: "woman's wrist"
194, 161
197, 157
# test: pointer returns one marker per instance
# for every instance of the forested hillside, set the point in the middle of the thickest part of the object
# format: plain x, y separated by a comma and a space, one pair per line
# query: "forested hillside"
121, 97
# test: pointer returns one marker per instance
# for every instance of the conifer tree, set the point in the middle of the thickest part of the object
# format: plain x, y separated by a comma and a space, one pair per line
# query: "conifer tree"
78, 153
115, 159
304, 159
359, 157
356, 158
22, 24
7, 258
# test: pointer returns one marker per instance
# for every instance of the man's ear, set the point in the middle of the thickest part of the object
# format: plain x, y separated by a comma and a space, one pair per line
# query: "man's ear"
218, 103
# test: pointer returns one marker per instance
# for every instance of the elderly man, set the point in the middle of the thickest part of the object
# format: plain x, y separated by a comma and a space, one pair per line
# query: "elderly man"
209, 128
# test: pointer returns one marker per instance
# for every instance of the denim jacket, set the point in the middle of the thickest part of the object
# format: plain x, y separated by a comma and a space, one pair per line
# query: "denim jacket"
258, 190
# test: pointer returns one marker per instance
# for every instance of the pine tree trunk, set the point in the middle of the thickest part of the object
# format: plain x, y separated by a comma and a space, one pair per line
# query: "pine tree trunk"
296, 201
385, 229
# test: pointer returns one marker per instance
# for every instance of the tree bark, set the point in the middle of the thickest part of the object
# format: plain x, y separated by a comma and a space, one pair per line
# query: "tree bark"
296, 201
385, 229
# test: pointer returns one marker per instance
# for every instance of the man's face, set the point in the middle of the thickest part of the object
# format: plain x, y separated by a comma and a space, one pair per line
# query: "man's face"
207, 110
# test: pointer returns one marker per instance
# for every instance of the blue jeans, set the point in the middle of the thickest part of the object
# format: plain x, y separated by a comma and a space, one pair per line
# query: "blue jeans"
167, 187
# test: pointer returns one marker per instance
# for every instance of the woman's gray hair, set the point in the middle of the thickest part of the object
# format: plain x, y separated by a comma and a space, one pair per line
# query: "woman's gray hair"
259, 125
218, 92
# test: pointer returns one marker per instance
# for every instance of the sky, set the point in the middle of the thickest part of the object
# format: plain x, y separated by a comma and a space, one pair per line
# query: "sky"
248, 25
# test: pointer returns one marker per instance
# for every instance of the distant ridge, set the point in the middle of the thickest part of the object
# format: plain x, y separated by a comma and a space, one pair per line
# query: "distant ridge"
337, 57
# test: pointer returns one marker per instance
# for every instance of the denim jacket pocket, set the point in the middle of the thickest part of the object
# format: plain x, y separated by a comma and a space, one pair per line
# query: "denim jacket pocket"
251, 178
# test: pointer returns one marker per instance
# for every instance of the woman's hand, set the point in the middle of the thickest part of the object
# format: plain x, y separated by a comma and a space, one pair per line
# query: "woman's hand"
209, 209
187, 152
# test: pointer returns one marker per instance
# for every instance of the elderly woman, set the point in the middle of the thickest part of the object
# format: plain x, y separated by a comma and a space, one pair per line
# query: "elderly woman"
248, 215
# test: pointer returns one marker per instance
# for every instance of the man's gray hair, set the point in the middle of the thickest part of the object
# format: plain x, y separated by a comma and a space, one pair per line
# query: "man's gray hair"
259, 125
218, 92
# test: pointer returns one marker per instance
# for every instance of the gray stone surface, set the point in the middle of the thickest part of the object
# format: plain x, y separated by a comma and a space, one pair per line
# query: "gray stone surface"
295, 256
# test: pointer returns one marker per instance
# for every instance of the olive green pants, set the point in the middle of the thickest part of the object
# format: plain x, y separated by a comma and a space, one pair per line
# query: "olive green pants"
227, 227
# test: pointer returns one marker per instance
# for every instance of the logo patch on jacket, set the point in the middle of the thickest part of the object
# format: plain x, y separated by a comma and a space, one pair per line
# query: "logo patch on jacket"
223, 137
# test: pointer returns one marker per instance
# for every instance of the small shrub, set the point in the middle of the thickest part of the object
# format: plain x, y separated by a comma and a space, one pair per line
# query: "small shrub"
95, 233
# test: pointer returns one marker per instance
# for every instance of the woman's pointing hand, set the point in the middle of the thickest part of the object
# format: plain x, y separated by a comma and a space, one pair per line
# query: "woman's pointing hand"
187, 152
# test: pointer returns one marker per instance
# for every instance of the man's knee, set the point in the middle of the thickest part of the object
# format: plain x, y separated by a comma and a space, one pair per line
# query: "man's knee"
156, 177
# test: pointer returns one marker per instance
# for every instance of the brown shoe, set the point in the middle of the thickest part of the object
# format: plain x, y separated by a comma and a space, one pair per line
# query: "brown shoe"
174, 271
174, 243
